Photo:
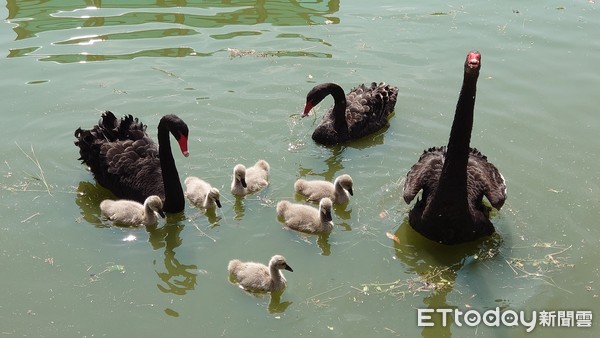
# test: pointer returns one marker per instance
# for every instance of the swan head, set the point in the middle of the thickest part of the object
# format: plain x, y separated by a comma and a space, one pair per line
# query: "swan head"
317, 94
346, 182
239, 174
325, 206
156, 204
279, 263
178, 129
215, 195
473, 62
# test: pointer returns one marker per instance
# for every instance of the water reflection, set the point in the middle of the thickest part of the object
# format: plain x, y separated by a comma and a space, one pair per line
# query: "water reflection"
177, 278
275, 304
34, 18
437, 267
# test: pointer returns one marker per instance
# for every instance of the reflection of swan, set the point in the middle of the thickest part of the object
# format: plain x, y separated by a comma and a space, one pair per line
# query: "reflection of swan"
306, 218
436, 267
364, 110
455, 178
132, 213
126, 161
175, 277
253, 276
201, 193
249, 180
338, 191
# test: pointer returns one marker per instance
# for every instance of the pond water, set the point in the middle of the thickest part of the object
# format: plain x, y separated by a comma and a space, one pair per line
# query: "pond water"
238, 72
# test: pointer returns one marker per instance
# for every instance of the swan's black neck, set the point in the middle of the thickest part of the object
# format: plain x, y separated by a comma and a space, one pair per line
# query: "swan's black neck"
338, 114
453, 179
339, 107
174, 200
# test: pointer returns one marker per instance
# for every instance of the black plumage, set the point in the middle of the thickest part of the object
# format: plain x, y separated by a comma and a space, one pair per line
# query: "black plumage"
363, 111
455, 178
126, 161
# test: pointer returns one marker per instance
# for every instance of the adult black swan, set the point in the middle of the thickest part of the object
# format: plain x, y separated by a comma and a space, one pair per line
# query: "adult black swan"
363, 111
455, 178
127, 162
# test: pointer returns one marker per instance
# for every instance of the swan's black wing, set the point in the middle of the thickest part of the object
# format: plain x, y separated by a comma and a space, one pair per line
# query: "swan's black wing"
368, 108
484, 179
424, 174
122, 157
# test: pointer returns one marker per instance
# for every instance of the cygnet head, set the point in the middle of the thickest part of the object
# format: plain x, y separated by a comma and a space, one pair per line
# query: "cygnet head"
239, 173
279, 263
325, 206
346, 182
215, 195
155, 203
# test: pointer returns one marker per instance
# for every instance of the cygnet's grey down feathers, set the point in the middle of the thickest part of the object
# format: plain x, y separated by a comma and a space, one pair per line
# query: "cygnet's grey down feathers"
132, 213
201, 193
252, 276
306, 218
338, 191
249, 180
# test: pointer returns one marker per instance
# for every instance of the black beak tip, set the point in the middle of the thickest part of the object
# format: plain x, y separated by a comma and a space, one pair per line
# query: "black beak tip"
218, 203
162, 214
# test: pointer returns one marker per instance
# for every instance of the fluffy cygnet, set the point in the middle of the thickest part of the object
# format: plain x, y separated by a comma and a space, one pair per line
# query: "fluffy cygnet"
339, 191
201, 193
253, 276
249, 180
306, 218
132, 213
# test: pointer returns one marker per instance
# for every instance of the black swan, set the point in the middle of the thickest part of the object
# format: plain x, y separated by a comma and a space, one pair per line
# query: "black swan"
363, 111
127, 162
455, 178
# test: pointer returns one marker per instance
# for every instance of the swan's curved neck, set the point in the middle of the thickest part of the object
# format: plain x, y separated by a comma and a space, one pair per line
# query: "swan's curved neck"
339, 107
174, 200
454, 171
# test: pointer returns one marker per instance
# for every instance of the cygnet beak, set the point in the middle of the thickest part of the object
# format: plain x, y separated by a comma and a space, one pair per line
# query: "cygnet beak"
243, 181
288, 268
350, 192
162, 213
218, 202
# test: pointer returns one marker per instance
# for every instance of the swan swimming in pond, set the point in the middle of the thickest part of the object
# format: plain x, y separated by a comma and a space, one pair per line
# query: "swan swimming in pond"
363, 111
201, 193
249, 180
454, 178
307, 218
132, 213
338, 191
126, 161
252, 276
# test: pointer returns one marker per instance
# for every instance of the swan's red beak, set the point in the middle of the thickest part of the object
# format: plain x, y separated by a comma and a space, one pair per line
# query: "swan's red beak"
307, 108
183, 145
